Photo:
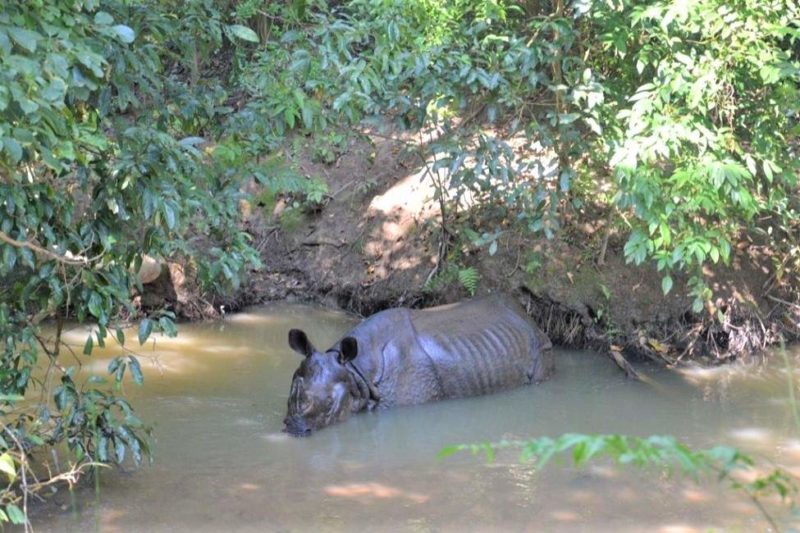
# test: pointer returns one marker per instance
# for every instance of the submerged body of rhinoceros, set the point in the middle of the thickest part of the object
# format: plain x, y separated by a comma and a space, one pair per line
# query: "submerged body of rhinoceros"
405, 357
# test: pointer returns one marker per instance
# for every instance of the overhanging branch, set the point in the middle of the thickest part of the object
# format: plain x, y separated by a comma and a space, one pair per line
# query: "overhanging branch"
78, 261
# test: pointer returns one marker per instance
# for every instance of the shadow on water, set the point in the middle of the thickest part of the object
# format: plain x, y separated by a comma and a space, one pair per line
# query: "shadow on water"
216, 396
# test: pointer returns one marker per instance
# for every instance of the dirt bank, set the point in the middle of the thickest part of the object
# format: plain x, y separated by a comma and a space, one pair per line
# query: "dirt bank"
375, 241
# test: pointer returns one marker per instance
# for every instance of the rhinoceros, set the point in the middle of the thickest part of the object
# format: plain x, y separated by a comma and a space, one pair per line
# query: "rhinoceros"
407, 356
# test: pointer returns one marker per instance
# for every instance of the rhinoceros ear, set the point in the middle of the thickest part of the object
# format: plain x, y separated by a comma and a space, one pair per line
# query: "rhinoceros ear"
298, 341
349, 350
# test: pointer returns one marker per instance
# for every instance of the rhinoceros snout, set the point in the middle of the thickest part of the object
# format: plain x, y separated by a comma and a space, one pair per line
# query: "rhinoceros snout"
296, 426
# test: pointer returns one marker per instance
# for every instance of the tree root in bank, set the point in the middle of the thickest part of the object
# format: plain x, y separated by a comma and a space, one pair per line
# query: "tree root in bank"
734, 331
737, 331
569, 327
563, 325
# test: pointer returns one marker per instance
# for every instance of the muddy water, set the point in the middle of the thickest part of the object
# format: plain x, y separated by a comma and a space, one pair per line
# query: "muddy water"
216, 396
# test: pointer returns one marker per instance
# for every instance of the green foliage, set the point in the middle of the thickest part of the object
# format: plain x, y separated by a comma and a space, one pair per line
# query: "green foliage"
282, 178
661, 452
10, 511
291, 219
533, 263
112, 146
684, 115
483, 239
69, 186
327, 147
469, 278
690, 115
702, 136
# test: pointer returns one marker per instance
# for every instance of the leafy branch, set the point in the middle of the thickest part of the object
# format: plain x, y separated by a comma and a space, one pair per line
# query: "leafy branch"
724, 462
67, 260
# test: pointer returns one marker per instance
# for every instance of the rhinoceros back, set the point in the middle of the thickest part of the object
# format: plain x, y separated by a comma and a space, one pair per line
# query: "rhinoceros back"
465, 349
482, 346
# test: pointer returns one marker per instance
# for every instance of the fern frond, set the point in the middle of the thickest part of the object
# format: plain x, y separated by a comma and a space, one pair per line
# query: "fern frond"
469, 278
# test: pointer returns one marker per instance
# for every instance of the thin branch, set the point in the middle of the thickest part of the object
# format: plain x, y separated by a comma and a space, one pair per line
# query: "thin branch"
601, 259
784, 302
764, 513
78, 261
445, 233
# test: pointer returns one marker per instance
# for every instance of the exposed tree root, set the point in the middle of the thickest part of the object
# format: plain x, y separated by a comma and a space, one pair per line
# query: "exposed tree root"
733, 332
565, 326
575, 328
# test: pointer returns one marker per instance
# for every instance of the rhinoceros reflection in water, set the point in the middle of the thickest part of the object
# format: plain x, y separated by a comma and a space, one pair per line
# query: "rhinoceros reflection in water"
405, 357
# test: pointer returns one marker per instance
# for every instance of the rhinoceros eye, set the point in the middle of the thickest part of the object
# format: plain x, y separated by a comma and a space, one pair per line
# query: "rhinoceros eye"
306, 405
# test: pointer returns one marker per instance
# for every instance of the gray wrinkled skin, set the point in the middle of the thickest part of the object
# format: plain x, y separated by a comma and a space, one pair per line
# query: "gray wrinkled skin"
406, 357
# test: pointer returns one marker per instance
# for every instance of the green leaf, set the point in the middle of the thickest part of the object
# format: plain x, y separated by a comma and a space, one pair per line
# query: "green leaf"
169, 215
665, 233
308, 116
96, 305
92, 61
288, 116
87, 348
767, 165
568, 118
9, 257
120, 336
119, 450
593, 125
447, 451
136, 370
119, 371
8, 467
27, 257
244, 33
55, 90
27, 39
15, 514
13, 149
145, 329
188, 142
114, 364
580, 453
167, 326
125, 33
102, 18
666, 284
102, 449
393, 31
27, 105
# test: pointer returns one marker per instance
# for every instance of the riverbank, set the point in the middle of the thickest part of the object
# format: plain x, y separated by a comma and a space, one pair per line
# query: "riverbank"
374, 240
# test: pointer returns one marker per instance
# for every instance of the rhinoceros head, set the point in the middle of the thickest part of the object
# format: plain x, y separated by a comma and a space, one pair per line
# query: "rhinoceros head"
323, 391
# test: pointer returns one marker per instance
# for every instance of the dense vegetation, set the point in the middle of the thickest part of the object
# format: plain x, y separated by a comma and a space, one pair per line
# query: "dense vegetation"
130, 127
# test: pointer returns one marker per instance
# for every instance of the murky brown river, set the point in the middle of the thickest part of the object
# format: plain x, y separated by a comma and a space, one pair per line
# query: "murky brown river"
217, 393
